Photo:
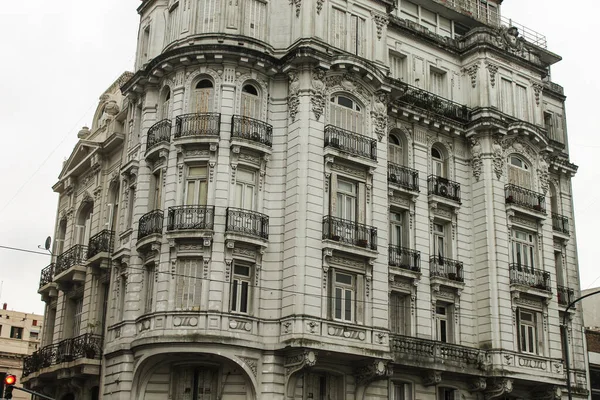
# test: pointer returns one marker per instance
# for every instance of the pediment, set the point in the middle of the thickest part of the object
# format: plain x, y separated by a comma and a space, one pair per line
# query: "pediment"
83, 151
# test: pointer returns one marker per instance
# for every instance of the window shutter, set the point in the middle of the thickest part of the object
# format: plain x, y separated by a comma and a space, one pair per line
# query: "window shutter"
358, 301
333, 188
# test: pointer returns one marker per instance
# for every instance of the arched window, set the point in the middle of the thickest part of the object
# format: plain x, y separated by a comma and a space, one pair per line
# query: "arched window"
83, 228
438, 162
395, 150
553, 199
59, 242
518, 172
164, 109
346, 114
203, 97
250, 102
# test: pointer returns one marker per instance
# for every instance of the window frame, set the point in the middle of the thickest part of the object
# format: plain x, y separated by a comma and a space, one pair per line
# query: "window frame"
149, 272
199, 199
396, 151
238, 280
444, 325
242, 186
532, 331
189, 285
400, 321
528, 243
345, 289
349, 117
438, 164
405, 387
441, 237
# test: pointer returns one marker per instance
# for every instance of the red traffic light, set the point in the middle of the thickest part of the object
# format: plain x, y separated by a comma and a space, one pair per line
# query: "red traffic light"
10, 380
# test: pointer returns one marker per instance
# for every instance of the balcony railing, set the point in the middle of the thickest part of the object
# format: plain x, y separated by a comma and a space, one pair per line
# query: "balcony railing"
150, 223
528, 276
350, 142
248, 222
565, 295
431, 103
76, 255
160, 132
190, 217
101, 242
446, 268
405, 177
47, 275
201, 124
404, 258
85, 346
251, 129
350, 232
560, 223
443, 187
525, 198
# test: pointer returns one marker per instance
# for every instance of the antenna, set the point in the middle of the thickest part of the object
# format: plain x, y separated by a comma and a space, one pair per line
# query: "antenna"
47, 244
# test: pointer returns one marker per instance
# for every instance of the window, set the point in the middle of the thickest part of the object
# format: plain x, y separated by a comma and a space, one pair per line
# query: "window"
155, 190
518, 172
198, 383
149, 289
487, 12
409, 11
34, 322
145, 44
34, 335
439, 240
173, 23
343, 296
83, 228
448, 394
443, 322
77, 305
395, 150
113, 208
122, 293
346, 114
401, 391
506, 100
563, 335
321, 386
437, 82
398, 67
549, 124
189, 284
438, 162
338, 28
165, 107
400, 313
59, 244
203, 97
256, 19
16, 332
357, 35
527, 332
240, 289
397, 229
523, 249
250, 102
196, 186
130, 198
245, 189
346, 200
522, 103
208, 15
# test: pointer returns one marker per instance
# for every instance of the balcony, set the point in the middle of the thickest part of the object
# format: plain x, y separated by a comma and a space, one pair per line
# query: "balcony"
404, 177
87, 346
102, 242
527, 276
560, 223
522, 197
442, 187
197, 125
150, 223
446, 268
190, 218
350, 143
404, 258
159, 133
429, 103
46, 276
565, 295
247, 222
70, 264
251, 130
349, 232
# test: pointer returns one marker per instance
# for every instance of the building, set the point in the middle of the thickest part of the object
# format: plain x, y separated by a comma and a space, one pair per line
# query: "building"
309, 199
19, 337
593, 347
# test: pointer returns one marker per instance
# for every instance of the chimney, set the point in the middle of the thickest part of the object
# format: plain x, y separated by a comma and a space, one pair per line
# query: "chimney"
4, 306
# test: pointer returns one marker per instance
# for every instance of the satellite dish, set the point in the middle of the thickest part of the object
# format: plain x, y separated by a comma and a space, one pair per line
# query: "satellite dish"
47, 243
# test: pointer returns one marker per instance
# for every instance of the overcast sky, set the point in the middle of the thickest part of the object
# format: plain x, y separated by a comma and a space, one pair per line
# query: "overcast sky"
59, 56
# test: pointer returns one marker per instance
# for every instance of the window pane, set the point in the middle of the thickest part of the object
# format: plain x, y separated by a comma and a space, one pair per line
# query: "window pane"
234, 295
338, 303
241, 270
348, 306
443, 331
343, 278
244, 298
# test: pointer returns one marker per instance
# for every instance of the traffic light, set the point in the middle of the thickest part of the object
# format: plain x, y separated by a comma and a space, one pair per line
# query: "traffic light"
9, 384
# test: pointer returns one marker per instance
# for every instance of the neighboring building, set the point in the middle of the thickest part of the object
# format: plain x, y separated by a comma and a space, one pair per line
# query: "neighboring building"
593, 346
591, 309
318, 200
19, 337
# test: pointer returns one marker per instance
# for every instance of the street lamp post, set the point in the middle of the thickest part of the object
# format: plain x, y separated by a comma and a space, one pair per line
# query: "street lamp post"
566, 339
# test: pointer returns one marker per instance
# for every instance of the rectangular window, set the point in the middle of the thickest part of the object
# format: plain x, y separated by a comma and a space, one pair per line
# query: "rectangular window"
400, 313
522, 103
448, 394
208, 15
145, 45
256, 17
346, 200
506, 99
245, 189
173, 24
240, 289
155, 190
437, 82
549, 124
343, 296
34, 322
560, 281
409, 11
401, 391
523, 253
78, 308
122, 294
130, 198
429, 19
149, 289
196, 186
16, 332
195, 383
397, 229
439, 240
527, 332
338, 28
443, 322
357, 35
189, 284
34, 335
398, 67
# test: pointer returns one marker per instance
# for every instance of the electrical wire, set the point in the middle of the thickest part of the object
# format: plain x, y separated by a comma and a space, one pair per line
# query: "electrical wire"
24, 250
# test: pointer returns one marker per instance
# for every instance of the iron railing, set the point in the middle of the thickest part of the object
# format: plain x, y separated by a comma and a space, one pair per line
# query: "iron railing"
251, 129
200, 124
525, 198
190, 217
84, 346
160, 132
150, 223
404, 258
76, 255
443, 187
350, 232
565, 295
431, 103
446, 268
560, 223
47, 275
528, 276
248, 222
101, 242
350, 142
405, 177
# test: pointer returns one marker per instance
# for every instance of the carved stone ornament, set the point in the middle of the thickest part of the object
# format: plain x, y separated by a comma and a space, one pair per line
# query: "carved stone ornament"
493, 70
431, 378
472, 72
293, 98
477, 385
543, 174
498, 388
298, 361
251, 363
376, 370
381, 20
317, 98
379, 115
296, 3
553, 393
476, 162
537, 90
319, 6
498, 161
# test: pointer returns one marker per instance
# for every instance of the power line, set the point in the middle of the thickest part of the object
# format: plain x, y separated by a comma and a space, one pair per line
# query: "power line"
24, 250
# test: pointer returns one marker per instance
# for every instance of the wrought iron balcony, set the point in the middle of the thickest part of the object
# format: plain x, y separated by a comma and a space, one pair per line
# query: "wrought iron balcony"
405, 177
443, 187
528, 276
565, 295
251, 129
47, 275
248, 222
190, 217
76, 255
350, 142
200, 124
525, 198
160, 132
446, 268
101, 242
84, 346
404, 258
150, 223
560, 223
415, 97
349, 232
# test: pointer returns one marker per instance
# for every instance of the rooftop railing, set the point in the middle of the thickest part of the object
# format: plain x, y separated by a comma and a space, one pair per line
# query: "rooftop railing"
160, 132
525, 198
251, 129
402, 176
524, 275
350, 142
349, 232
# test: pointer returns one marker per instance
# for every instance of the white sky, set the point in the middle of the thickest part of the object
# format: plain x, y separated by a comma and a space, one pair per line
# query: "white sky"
59, 56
